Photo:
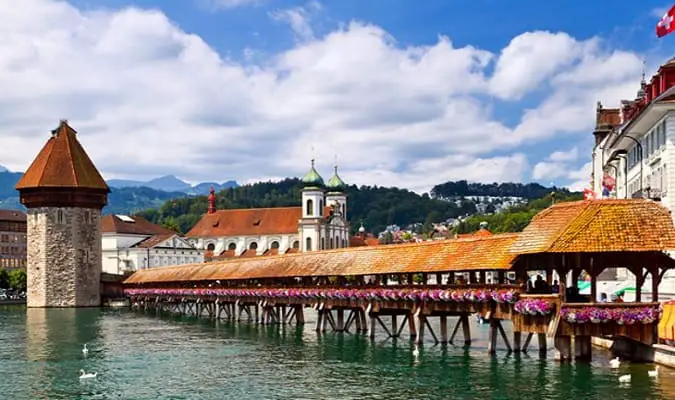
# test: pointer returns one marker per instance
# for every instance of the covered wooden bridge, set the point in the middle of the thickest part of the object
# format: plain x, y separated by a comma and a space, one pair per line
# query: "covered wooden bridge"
356, 288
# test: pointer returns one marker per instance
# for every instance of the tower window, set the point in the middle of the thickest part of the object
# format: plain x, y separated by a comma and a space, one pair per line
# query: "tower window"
320, 207
308, 244
210, 247
59, 216
232, 246
323, 243
296, 244
253, 246
275, 245
310, 207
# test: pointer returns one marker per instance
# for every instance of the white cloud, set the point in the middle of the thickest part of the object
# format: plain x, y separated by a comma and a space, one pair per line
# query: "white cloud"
299, 18
569, 155
151, 99
548, 170
581, 177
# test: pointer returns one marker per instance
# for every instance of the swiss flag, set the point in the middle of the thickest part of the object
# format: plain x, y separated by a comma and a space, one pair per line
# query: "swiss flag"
589, 194
667, 23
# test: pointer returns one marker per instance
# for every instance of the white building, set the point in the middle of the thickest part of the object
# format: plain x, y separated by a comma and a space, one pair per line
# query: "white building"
319, 223
133, 243
635, 147
635, 144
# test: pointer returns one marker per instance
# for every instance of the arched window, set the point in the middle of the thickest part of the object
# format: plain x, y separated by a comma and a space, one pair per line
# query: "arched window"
310, 207
232, 246
296, 244
210, 247
331, 243
308, 243
275, 245
320, 207
253, 246
323, 243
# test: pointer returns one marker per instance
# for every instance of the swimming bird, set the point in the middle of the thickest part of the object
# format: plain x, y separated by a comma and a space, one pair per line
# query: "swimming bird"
624, 378
84, 375
615, 363
85, 350
654, 373
416, 352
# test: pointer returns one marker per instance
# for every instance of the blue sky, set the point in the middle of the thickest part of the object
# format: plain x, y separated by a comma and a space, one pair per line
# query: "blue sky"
405, 93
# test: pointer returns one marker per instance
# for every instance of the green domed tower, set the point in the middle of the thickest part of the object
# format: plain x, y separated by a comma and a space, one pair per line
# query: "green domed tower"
312, 178
335, 183
336, 196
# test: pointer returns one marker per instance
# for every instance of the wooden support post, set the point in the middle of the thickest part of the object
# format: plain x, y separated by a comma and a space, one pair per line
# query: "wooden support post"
639, 281
444, 329
394, 326
563, 346
364, 321
467, 329
594, 287
492, 336
439, 278
257, 313
542, 343
373, 323
420, 332
340, 320
656, 280
582, 348
412, 329
319, 319
299, 315
504, 337
527, 342
517, 341
431, 330
357, 319
455, 330
326, 319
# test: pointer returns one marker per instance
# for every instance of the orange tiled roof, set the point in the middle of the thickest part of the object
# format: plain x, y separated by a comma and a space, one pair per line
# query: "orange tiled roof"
140, 226
479, 233
599, 226
253, 221
63, 163
488, 253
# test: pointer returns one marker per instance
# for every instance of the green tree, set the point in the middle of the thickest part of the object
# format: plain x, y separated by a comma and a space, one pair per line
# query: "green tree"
170, 223
4, 279
18, 279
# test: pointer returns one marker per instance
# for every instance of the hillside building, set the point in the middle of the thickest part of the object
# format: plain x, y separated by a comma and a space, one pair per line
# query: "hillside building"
320, 222
12, 239
133, 243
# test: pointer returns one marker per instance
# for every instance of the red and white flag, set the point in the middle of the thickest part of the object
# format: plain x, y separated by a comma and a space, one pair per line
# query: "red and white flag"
667, 23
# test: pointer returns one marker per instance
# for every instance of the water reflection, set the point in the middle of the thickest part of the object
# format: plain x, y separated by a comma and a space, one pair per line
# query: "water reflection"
147, 357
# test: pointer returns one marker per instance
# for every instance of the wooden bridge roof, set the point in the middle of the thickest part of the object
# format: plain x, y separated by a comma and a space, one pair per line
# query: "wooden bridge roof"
600, 226
470, 254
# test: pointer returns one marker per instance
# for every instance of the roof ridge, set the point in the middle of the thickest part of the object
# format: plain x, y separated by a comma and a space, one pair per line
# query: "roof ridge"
258, 208
69, 146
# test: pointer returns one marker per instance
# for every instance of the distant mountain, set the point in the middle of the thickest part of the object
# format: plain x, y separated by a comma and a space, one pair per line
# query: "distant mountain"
122, 200
170, 183
3, 169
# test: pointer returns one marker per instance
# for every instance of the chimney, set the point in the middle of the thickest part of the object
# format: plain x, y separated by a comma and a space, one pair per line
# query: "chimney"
212, 201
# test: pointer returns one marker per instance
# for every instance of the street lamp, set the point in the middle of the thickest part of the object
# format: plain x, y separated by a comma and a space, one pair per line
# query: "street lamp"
639, 146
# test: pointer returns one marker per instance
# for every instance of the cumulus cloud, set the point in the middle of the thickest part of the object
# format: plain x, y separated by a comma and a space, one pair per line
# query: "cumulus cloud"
149, 98
299, 18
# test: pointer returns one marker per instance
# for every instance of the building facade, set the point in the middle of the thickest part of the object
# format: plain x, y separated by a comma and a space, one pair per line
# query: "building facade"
64, 194
634, 151
13, 239
319, 223
133, 243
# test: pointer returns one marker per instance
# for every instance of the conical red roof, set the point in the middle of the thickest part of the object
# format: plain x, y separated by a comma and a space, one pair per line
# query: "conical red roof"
62, 163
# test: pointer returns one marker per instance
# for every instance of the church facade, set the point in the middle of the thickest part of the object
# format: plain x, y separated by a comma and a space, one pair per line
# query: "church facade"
319, 223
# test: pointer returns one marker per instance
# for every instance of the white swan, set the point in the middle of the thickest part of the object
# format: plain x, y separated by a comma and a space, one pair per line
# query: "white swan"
84, 375
654, 373
615, 363
85, 350
416, 352
624, 378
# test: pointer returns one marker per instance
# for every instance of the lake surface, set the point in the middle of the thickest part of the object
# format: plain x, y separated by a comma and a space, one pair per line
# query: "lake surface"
141, 356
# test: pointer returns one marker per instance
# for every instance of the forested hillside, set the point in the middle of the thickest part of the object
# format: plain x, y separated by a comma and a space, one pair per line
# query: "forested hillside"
375, 206
508, 189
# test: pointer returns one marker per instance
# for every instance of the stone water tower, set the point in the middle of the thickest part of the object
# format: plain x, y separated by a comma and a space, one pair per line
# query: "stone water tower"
64, 194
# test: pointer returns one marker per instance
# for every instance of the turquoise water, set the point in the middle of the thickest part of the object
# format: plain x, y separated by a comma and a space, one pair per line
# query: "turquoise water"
141, 356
